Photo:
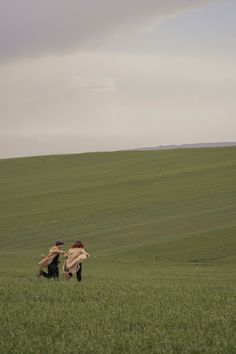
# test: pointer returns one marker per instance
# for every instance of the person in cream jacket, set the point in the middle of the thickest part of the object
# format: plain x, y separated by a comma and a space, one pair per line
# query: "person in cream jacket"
73, 260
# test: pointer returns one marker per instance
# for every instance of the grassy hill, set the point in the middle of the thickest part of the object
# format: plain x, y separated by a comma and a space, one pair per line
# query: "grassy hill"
160, 226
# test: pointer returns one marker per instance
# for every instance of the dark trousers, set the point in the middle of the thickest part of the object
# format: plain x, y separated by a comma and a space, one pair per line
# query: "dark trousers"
53, 272
79, 273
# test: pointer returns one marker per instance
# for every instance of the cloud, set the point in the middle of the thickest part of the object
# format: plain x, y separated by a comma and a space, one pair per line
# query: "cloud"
91, 83
32, 27
53, 104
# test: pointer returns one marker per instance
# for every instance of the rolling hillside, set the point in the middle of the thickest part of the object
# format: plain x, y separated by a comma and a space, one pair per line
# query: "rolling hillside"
161, 230
177, 205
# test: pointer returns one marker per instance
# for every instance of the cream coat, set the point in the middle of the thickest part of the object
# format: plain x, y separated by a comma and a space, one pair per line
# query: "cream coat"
73, 258
53, 252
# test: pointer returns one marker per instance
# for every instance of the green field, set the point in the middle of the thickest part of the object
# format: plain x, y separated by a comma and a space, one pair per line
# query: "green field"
161, 230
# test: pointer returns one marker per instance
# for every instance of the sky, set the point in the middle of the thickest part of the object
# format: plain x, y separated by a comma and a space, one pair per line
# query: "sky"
102, 75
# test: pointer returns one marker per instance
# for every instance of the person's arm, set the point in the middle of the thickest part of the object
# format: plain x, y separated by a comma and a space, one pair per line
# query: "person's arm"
85, 253
55, 250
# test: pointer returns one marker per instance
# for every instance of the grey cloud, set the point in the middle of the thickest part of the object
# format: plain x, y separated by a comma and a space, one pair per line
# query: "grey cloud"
33, 27
52, 105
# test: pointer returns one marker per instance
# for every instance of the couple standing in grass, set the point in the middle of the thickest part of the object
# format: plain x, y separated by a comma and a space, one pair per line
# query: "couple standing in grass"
72, 264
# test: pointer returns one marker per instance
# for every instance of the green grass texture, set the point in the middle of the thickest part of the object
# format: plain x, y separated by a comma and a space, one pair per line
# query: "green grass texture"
161, 230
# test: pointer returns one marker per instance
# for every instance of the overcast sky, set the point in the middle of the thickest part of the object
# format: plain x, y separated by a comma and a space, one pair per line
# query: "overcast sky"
92, 75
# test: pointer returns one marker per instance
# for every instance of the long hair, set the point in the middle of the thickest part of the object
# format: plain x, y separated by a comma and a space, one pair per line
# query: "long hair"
77, 244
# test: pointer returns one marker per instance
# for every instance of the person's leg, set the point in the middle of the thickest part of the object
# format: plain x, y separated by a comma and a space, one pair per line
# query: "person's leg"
40, 272
79, 273
68, 275
55, 272
49, 274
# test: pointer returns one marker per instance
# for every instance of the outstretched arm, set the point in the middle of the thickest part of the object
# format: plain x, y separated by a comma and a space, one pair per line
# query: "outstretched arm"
85, 253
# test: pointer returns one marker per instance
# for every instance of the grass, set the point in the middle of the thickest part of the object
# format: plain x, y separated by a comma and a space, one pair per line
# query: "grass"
160, 226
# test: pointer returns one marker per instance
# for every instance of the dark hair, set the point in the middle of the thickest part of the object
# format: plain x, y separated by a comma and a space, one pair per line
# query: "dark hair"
77, 244
59, 243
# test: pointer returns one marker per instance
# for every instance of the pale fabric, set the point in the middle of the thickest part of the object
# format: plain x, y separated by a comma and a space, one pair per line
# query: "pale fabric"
53, 252
74, 257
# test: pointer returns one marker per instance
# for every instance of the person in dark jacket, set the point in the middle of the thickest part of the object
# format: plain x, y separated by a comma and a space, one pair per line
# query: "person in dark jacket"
51, 261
